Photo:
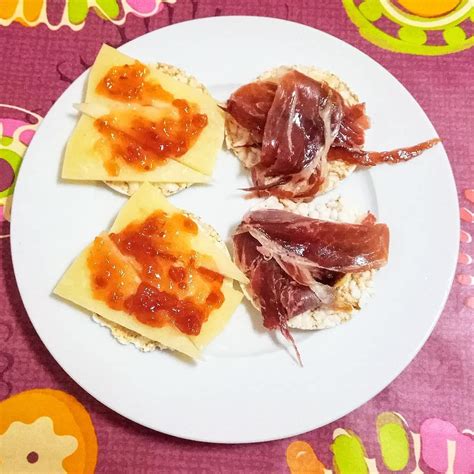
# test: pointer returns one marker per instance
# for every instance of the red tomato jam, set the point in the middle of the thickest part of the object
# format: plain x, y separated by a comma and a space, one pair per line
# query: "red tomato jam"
113, 280
145, 144
173, 287
136, 140
129, 83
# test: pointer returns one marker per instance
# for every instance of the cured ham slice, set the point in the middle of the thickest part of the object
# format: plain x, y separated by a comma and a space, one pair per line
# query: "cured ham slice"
331, 245
293, 262
250, 104
296, 124
275, 294
302, 123
353, 126
372, 158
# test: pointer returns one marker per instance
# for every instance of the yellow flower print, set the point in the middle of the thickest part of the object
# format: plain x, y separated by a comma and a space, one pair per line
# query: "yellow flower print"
46, 431
417, 22
34, 447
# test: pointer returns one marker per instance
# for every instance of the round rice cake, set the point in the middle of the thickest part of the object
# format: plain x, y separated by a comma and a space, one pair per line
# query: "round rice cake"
126, 336
352, 291
237, 138
129, 187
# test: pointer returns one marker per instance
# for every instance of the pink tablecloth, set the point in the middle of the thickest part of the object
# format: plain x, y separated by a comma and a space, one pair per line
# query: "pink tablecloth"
39, 63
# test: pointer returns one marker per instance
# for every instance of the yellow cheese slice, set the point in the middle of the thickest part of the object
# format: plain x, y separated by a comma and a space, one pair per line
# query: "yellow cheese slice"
96, 110
106, 59
86, 153
75, 287
149, 199
202, 155
218, 318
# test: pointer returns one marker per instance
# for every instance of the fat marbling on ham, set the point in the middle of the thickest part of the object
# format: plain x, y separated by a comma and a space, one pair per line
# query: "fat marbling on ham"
293, 262
299, 124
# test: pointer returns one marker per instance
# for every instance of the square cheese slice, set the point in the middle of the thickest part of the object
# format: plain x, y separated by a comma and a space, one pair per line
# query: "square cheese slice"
86, 153
219, 318
75, 286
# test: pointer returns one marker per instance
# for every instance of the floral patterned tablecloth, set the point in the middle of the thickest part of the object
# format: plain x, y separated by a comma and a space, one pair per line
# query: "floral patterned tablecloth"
420, 423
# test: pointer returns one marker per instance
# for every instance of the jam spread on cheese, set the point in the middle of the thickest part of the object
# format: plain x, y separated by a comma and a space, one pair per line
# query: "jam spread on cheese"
173, 287
128, 83
139, 141
112, 280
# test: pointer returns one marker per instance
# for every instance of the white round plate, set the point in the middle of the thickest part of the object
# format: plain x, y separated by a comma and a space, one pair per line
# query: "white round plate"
248, 388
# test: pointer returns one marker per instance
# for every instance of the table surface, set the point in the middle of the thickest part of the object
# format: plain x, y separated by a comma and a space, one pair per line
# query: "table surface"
435, 391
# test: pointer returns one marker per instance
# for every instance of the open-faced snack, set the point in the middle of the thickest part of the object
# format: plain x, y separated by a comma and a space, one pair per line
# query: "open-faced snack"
307, 269
143, 123
158, 274
300, 131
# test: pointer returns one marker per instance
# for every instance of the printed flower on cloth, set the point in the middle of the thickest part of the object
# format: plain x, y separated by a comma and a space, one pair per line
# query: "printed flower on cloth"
73, 13
46, 431
438, 447
17, 127
417, 24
